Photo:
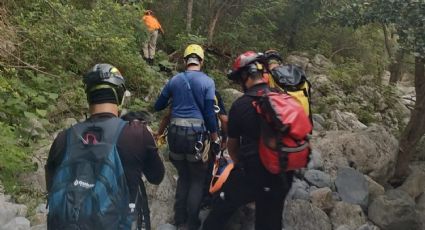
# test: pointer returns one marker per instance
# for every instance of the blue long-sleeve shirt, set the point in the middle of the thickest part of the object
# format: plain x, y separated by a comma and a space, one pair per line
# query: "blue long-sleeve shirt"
193, 95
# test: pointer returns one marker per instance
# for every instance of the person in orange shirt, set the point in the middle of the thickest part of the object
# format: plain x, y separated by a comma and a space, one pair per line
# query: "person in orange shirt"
153, 27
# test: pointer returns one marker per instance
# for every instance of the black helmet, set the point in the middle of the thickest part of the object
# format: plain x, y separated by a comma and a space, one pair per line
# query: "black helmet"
105, 76
272, 54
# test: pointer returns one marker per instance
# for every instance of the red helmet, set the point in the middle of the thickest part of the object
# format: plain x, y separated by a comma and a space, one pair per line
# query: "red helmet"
242, 62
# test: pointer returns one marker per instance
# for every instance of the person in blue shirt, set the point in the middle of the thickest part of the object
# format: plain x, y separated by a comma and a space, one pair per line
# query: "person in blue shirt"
193, 121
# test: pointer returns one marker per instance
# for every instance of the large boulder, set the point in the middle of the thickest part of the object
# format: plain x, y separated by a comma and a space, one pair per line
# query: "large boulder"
350, 215
375, 189
161, 197
17, 223
394, 211
302, 215
372, 151
414, 185
352, 186
346, 120
298, 60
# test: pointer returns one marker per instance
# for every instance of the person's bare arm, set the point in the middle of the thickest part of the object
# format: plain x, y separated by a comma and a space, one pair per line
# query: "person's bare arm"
164, 123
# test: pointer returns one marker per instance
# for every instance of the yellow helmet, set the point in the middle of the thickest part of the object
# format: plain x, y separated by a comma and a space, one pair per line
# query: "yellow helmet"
194, 49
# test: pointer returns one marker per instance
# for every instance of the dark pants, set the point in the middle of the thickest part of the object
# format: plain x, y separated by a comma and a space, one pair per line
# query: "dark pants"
189, 192
252, 183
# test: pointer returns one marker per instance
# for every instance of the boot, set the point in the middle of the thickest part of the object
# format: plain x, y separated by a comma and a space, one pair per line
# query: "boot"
150, 61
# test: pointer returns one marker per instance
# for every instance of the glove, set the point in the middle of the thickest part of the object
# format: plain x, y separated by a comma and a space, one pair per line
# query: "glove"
216, 146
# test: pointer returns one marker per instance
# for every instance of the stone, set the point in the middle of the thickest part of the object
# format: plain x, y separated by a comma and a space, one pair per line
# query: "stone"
161, 197
368, 226
414, 185
298, 190
343, 227
346, 120
375, 189
376, 157
394, 210
41, 208
420, 208
302, 215
322, 198
352, 186
317, 118
9, 211
316, 161
38, 218
347, 214
321, 61
17, 223
165, 227
298, 60
39, 227
318, 178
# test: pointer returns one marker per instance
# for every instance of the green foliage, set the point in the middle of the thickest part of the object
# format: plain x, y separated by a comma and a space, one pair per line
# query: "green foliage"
407, 16
13, 157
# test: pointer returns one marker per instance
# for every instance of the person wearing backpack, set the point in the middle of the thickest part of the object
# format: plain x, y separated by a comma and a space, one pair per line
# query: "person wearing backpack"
95, 167
289, 78
249, 180
192, 125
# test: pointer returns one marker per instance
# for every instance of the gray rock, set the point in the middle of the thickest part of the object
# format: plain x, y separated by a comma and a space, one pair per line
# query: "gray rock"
394, 211
352, 186
420, 207
322, 198
316, 161
319, 119
161, 197
350, 215
371, 151
347, 120
17, 223
343, 227
375, 189
298, 60
368, 226
414, 185
321, 61
318, 178
165, 227
41, 208
9, 211
297, 212
298, 190
39, 227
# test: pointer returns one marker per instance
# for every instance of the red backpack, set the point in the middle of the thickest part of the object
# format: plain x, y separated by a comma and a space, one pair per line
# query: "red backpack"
285, 127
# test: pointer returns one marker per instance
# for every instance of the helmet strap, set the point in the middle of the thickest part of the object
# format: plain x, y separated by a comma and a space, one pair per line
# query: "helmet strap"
105, 86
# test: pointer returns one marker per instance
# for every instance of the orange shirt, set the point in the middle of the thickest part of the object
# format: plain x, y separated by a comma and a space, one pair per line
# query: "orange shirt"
151, 22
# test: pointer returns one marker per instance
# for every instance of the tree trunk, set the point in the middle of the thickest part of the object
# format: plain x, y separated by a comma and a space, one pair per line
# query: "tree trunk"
396, 67
213, 23
415, 128
189, 16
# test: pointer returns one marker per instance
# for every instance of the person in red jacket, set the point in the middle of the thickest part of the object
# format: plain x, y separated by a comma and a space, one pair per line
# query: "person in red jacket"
153, 27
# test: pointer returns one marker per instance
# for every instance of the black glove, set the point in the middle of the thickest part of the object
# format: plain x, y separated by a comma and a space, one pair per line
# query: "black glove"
216, 146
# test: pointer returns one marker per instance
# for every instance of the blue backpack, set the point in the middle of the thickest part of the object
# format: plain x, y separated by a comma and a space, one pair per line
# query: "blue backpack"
89, 188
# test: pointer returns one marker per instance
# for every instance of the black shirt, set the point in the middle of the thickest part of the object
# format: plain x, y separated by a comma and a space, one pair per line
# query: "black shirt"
244, 123
137, 150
